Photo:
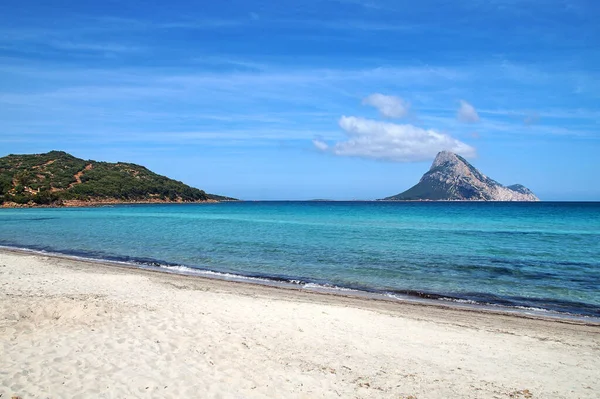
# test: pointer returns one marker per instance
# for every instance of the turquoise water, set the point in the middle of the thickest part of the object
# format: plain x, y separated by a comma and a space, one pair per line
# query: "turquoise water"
538, 255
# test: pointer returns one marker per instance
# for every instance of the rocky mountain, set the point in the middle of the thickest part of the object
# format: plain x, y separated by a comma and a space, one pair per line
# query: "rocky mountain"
452, 178
58, 178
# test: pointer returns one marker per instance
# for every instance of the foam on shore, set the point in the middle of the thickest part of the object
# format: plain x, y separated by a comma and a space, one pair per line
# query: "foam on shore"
325, 287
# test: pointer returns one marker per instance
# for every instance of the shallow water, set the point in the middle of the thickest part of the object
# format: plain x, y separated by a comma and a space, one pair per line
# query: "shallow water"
531, 255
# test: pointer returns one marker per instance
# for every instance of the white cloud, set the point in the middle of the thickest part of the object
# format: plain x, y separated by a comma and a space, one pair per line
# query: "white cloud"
321, 145
392, 142
388, 106
467, 113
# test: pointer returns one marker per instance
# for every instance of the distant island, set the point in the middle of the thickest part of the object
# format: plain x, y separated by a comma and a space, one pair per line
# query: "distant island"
452, 178
60, 179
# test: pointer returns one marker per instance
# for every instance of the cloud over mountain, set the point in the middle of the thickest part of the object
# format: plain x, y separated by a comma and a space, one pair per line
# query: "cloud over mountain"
387, 141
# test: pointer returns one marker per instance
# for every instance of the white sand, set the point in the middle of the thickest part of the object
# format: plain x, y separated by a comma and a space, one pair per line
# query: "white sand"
72, 329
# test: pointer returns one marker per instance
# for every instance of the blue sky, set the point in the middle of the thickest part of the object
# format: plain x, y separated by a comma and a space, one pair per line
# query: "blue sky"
339, 99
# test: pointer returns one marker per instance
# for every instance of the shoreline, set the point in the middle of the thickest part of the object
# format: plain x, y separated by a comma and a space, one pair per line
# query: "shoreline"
317, 290
74, 328
93, 204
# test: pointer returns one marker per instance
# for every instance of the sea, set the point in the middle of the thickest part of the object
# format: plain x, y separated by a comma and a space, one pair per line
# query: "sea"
539, 257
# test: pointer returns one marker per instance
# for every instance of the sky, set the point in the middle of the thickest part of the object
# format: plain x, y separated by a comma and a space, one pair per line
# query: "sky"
327, 99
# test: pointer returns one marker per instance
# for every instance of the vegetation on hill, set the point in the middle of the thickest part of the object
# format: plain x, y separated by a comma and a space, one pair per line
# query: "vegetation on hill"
56, 177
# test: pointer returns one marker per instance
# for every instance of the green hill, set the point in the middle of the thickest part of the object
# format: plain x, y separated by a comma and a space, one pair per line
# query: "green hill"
58, 178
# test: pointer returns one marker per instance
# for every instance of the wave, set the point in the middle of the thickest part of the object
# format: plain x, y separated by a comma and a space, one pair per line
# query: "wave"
519, 304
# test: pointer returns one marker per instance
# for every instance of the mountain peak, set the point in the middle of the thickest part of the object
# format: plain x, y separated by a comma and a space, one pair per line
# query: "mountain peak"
453, 178
450, 164
444, 157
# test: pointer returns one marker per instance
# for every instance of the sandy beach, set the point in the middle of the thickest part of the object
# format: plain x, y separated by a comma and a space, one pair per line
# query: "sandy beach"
75, 329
